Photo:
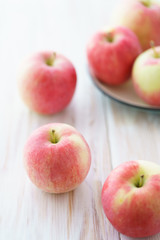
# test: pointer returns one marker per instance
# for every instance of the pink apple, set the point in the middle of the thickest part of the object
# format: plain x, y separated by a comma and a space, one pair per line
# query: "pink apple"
47, 82
142, 17
146, 76
111, 55
131, 198
57, 158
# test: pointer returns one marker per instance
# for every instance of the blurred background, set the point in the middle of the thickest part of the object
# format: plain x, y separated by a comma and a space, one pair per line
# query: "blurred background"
115, 133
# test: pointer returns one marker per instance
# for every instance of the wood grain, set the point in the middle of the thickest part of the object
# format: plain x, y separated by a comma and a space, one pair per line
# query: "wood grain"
115, 133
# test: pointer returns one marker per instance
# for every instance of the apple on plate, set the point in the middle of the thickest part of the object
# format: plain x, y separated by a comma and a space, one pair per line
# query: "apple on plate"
47, 82
142, 17
111, 54
57, 158
146, 76
131, 198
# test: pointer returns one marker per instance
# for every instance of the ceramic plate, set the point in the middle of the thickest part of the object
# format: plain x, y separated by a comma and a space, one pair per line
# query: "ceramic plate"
124, 94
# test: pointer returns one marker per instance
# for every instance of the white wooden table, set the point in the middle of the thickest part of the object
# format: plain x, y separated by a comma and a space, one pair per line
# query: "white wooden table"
115, 133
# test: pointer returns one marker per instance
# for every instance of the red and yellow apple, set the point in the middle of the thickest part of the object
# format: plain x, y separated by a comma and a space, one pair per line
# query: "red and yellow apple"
131, 198
111, 55
47, 82
146, 76
57, 158
142, 17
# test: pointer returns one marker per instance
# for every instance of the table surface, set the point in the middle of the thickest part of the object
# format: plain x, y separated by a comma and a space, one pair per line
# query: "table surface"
114, 132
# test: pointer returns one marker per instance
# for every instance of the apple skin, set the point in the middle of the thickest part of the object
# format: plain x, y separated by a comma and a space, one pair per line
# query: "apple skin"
111, 62
143, 20
57, 167
47, 88
146, 76
134, 211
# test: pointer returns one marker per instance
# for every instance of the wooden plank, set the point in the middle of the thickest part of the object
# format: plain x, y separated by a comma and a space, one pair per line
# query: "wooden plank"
114, 132
133, 135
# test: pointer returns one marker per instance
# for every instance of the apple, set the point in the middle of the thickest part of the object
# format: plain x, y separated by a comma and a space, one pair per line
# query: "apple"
131, 198
57, 158
47, 82
142, 17
146, 76
111, 54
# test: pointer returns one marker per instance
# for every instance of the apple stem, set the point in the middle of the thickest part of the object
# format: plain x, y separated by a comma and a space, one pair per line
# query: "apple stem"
109, 36
141, 180
53, 136
156, 55
145, 2
50, 61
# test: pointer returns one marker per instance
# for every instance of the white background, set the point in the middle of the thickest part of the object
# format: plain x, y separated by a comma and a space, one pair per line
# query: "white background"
115, 133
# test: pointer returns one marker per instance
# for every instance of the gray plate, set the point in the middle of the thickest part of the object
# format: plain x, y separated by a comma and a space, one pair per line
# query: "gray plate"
124, 94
